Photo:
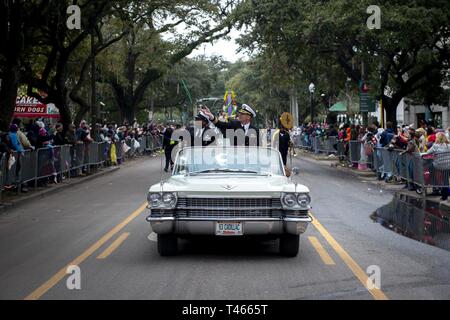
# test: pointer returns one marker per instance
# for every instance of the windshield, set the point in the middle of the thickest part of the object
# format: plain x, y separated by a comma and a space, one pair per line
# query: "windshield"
229, 160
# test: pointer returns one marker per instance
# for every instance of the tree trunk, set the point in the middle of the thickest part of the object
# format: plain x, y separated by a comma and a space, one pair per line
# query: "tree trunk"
65, 116
390, 105
81, 115
127, 111
8, 95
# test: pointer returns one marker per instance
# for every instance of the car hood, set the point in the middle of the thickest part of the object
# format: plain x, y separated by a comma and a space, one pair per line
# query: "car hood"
226, 185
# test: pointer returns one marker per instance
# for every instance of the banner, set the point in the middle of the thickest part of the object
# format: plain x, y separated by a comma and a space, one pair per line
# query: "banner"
28, 107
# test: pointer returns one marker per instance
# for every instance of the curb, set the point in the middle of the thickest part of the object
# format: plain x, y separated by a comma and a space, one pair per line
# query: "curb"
15, 203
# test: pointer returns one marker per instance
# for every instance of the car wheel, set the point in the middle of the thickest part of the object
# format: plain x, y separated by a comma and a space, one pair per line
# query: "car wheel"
167, 245
289, 245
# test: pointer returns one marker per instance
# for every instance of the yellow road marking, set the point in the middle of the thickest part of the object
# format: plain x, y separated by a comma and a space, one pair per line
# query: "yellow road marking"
61, 274
326, 258
354, 267
105, 254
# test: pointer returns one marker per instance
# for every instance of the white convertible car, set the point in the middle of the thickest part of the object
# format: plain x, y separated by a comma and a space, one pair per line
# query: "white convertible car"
226, 192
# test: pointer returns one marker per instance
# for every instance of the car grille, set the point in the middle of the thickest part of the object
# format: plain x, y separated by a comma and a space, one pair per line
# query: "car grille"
228, 208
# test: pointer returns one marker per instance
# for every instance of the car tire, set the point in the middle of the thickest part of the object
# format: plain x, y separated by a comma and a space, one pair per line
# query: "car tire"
289, 245
167, 245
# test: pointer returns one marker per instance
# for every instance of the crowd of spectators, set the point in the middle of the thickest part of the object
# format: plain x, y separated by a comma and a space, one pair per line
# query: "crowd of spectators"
38, 135
425, 140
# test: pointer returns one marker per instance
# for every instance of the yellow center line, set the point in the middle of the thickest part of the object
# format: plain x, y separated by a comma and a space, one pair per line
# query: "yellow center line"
326, 258
61, 274
354, 267
105, 254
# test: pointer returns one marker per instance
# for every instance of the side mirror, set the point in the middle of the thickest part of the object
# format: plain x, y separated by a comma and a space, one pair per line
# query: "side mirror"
295, 171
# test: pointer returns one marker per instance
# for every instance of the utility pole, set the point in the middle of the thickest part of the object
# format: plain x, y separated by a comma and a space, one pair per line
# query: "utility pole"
365, 113
312, 89
294, 106
94, 106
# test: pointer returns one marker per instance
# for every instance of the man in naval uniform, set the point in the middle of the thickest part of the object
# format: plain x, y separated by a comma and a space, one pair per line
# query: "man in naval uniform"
242, 126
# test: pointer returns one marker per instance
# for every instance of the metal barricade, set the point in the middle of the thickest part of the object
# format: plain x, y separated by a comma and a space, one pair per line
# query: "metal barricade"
77, 155
12, 173
48, 160
416, 169
94, 154
355, 151
341, 148
377, 163
52, 162
296, 140
318, 144
105, 152
2, 175
86, 160
130, 143
305, 142
435, 170
119, 151
142, 145
402, 165
387, 161
29, 166
331, 144
157, 142
65, 160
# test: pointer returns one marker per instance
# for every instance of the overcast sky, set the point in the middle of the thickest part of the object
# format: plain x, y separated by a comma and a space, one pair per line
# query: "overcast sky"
225, 48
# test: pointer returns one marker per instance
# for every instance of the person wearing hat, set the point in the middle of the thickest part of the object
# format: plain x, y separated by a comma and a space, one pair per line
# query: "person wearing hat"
14, 139
245, 116
166, 133
199, 131
281, 140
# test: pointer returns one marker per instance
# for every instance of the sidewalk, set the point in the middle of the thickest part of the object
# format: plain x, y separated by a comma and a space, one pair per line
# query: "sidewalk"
14, 200
367, 176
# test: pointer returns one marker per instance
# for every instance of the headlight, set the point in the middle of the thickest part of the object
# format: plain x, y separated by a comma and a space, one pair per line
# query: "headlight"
304, 200
165, 200
169, 199
295, 201
290, 200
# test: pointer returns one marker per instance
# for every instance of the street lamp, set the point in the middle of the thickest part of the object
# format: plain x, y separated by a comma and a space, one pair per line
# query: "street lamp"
312, 89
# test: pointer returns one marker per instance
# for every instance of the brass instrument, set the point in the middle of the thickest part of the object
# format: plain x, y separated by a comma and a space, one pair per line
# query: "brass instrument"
287, 121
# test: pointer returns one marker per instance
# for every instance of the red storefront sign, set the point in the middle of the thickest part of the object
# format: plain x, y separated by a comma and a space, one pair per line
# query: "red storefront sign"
28, 107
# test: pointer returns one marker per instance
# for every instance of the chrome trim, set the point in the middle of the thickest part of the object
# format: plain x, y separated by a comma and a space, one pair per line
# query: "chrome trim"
287, 219
160, 219
305, 209
228, 208
297, 219
229, 219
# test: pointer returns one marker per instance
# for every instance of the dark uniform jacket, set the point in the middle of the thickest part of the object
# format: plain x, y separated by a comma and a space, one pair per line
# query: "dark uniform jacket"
167, 137
204, 139
251, 138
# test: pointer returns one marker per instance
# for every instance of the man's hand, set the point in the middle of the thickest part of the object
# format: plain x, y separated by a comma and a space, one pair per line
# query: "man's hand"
207, 113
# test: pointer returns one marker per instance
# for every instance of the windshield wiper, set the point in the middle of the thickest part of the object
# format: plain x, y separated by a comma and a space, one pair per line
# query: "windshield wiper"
222, 170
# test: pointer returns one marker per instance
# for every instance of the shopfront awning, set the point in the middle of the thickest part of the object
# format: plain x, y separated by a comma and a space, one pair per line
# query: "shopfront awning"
28, 107
339, 107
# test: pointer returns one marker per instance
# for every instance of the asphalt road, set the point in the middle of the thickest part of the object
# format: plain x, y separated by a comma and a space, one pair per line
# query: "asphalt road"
79, 225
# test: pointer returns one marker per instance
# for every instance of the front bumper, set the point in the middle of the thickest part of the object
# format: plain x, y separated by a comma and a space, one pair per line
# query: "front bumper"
207, 226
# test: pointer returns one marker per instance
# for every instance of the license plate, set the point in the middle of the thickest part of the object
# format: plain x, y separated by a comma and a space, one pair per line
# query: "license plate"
229, 229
